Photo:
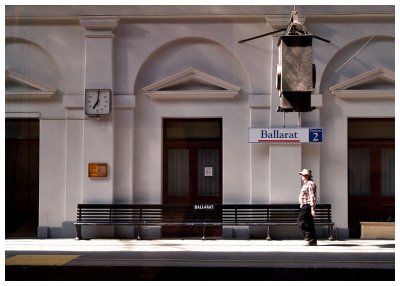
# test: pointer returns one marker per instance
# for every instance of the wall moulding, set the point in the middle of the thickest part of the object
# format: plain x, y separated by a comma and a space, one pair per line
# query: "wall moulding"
120, 101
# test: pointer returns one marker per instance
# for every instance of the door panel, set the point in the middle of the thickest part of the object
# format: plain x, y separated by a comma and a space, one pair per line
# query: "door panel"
208, 172
178, 172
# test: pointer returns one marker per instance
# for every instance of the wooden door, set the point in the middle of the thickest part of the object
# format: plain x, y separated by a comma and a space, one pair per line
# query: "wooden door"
371, 183
21, 178
371, 165
192, 168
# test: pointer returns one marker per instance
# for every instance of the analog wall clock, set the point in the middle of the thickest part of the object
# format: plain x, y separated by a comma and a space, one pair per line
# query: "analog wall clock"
97, 101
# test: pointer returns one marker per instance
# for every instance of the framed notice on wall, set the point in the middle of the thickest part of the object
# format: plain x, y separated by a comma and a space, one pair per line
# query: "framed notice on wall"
97, 170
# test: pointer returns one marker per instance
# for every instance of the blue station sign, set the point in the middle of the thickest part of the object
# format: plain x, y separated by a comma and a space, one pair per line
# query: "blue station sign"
285, 135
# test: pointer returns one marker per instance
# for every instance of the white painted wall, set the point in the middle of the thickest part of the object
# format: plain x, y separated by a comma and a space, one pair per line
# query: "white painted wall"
52, 194
146, 50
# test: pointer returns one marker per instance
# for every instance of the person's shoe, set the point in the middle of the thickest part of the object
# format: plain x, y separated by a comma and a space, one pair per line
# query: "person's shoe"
312, 242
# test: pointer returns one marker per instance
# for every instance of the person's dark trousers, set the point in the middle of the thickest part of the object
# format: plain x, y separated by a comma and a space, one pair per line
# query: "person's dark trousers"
305, 221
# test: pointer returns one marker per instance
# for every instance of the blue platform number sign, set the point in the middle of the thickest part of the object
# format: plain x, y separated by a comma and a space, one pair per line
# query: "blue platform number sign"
315, 135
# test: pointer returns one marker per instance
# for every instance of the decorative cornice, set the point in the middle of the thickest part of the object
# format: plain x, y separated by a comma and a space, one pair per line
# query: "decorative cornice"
191, 94
365, 94
99, 23
281, 21
99, 27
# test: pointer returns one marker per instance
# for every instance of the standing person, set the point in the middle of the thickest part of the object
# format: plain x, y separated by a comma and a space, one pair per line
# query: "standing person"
307, 201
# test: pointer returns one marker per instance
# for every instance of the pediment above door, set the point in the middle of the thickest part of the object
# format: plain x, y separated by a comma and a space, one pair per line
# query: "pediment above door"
22, 87
191, 84
377, 84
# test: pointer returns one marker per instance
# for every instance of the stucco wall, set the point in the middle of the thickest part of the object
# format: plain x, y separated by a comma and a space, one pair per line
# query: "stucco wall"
146, 50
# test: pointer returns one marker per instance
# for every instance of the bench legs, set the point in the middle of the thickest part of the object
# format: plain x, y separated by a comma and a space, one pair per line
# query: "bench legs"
138, 232
330, 232
78, 229
268, 233
78, 232
204, 232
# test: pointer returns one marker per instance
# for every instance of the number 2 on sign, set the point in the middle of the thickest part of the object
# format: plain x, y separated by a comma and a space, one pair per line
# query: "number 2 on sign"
316, 137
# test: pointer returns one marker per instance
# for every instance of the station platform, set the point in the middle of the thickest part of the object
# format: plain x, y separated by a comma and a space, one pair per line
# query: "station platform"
197, 260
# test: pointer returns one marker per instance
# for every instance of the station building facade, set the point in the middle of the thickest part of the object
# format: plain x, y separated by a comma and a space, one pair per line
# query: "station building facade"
184, 94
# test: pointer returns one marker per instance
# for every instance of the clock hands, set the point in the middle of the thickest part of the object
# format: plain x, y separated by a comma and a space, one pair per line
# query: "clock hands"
97, 100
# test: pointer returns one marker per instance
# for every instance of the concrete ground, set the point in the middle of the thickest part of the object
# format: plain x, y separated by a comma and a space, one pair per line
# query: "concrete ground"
197, 260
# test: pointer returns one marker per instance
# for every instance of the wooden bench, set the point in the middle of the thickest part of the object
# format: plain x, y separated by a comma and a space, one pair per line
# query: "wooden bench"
139, 215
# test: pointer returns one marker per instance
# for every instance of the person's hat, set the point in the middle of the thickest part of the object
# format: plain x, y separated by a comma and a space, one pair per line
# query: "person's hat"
305, 172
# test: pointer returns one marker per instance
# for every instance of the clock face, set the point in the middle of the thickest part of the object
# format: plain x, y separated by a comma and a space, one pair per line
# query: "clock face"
97, 101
